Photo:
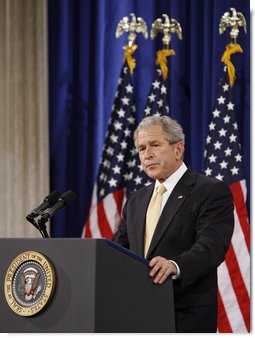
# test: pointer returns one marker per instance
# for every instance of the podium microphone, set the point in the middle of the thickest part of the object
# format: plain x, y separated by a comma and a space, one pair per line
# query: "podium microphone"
48, 202
63, 201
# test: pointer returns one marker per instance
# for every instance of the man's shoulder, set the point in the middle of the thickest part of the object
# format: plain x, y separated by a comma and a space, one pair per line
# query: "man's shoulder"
205, 181
142, 190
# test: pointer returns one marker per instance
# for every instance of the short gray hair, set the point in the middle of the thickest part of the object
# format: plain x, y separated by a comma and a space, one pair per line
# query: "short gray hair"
172, 129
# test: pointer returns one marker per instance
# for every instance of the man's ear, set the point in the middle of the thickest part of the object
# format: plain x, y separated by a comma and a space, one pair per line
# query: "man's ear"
179, 150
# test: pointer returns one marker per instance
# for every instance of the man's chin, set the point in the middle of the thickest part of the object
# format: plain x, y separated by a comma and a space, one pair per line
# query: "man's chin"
152, 174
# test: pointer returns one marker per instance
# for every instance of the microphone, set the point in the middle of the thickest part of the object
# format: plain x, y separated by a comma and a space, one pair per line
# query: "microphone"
48, 202
63, 201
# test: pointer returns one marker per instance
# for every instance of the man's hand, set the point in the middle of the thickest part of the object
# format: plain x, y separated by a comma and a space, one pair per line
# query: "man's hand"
161, 269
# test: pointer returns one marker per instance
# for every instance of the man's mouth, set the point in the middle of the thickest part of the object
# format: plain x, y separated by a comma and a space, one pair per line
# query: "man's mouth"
151, 165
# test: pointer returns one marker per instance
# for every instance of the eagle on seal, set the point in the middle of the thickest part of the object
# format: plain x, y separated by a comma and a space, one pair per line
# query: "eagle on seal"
30, 280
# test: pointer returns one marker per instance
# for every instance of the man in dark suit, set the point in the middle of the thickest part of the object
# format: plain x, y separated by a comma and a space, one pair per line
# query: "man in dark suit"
194, 228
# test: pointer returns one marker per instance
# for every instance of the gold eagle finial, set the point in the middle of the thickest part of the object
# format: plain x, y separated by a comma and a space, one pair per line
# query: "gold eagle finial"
133, 27
168, 27
236, 20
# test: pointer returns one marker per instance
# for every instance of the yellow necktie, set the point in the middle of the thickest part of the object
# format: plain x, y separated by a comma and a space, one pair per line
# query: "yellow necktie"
152, 216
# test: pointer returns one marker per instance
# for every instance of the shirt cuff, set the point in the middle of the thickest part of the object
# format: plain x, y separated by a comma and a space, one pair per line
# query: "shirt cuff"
178, 273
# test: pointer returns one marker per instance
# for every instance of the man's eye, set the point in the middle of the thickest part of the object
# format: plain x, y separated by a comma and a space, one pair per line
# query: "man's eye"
155, 145
141, 150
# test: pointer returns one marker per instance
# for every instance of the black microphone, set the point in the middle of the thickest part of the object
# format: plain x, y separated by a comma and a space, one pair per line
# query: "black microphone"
48, 202
64, 200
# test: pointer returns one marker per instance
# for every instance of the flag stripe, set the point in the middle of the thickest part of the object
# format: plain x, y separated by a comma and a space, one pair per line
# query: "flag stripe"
244, 189
223, 322
238, 285
91, 224
241, 252
104, 226
229, 300
110, 211
241, 211
119, 199
87, 230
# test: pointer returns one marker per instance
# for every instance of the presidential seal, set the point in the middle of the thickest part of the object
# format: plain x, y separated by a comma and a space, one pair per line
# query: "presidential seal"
29, 283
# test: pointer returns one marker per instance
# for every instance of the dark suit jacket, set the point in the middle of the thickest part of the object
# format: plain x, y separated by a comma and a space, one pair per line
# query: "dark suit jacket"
194, 230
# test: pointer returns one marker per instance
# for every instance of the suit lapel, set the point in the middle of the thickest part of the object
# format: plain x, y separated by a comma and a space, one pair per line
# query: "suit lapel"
180, 193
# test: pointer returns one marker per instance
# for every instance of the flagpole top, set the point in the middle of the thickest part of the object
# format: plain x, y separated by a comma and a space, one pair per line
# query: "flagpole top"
133, 26
169, 27
236, 20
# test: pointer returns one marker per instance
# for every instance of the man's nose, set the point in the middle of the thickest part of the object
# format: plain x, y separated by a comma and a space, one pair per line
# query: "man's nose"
148, 153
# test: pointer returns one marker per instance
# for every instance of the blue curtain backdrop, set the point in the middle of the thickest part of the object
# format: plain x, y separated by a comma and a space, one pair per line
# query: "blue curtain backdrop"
85, 60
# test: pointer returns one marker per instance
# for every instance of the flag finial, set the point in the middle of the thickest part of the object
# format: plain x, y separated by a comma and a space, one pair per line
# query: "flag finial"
133, 27
236, 20
169, 27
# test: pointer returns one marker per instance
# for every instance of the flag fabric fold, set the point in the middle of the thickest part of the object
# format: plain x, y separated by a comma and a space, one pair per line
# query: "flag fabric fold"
223, 160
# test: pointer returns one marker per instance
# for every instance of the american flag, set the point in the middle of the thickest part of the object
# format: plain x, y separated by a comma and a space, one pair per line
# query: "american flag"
120, 172
157, 104
116, 165
223, 160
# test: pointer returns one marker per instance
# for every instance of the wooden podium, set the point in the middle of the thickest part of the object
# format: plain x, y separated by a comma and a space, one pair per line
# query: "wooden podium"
100, 287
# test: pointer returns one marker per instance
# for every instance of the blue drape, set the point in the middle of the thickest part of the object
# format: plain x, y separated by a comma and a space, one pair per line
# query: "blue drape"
85, 60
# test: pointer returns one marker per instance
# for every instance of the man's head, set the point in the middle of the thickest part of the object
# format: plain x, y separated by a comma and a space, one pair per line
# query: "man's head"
160, 144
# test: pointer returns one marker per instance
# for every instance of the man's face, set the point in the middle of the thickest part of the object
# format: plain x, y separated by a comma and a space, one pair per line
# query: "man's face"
159, 159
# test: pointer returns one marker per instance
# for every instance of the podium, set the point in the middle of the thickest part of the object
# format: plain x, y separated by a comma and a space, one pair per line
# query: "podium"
100, 287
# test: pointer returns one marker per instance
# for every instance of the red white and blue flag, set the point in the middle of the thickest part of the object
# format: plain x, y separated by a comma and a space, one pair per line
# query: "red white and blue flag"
223, 160
116, 166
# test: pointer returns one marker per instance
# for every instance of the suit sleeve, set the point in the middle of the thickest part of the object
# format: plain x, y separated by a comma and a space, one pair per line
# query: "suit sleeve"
121, 236
214, 228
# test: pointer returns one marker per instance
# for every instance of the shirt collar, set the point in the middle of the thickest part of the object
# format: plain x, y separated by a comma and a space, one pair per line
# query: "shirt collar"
172, 180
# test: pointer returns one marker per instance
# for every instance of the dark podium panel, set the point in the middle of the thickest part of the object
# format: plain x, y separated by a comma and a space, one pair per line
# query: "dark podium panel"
100, 287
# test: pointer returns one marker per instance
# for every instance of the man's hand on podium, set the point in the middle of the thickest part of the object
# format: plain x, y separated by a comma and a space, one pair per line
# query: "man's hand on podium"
161, 269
